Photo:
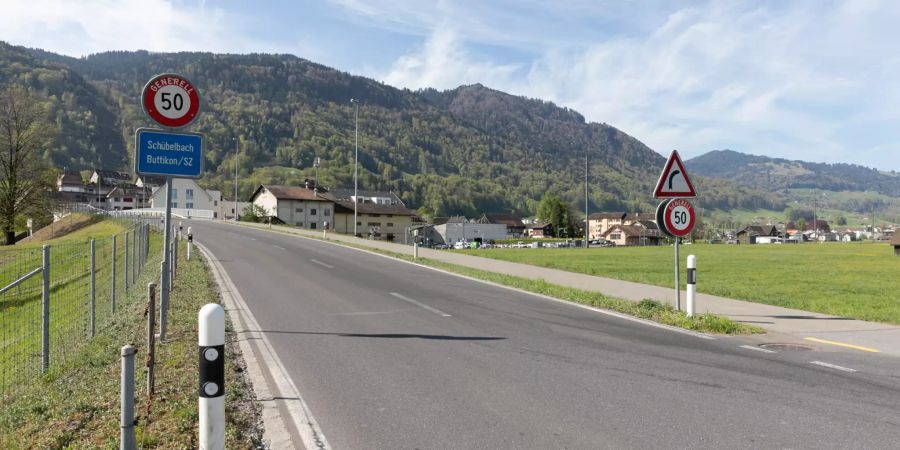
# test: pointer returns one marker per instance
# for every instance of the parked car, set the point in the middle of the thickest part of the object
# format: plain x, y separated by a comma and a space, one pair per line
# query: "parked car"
459, 245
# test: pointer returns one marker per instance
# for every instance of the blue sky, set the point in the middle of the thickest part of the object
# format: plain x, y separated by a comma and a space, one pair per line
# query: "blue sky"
813, 80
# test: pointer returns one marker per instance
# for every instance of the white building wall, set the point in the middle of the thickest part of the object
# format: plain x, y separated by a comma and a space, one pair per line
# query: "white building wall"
454, 232
181, 187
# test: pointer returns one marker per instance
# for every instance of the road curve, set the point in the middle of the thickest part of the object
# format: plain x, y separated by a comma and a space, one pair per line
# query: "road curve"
390, 355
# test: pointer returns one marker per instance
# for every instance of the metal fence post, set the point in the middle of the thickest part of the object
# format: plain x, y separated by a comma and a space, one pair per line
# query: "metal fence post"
45, 310
113, 274
211, 340
93, 288
163, 301
125, 269
174, 259
126, 394
151, 337
134, 255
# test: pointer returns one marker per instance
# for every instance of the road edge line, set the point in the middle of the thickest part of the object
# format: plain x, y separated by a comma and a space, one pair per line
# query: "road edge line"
275, 425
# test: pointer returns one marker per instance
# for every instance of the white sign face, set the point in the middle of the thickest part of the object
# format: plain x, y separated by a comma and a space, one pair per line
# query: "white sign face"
28, 222
172, 101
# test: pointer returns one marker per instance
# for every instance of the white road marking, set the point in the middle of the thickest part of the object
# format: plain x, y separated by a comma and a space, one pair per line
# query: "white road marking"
279, 247
420, 304
284, 390
832, 366
252, 239
316, 261
758, 349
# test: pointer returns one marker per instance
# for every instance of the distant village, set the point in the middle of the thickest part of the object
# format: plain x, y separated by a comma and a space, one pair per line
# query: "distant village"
383, 215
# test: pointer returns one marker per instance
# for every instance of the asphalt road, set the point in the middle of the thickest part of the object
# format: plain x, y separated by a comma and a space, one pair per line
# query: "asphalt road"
389, 355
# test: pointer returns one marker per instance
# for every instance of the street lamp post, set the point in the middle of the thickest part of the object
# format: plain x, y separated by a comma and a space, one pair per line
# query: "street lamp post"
355, 167
236, 153
586, 218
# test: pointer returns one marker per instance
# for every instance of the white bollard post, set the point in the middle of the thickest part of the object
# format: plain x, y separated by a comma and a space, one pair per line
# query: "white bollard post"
190, 243
211, 342
415, 244
691, 283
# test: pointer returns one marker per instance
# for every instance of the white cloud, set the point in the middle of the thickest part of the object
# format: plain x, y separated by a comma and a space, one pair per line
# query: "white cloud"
89, 26
782, 80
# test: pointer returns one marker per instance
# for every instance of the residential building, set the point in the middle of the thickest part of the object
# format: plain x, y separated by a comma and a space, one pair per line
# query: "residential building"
186, 194
749, 233
389, 222
539, 230
514, 226
642, 232
600, 223
106, 189
296, 205
451, 230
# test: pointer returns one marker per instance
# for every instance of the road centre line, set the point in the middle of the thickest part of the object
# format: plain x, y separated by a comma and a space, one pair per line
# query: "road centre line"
420, 304
279, 247
842, 344
316, 261
833, 366
758, 349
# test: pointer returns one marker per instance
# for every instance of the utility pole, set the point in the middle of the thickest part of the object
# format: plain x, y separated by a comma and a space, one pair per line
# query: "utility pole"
236, 153
356, 168
586, 217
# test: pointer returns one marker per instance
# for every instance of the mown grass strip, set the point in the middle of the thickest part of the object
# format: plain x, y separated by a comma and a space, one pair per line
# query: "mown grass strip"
76, 404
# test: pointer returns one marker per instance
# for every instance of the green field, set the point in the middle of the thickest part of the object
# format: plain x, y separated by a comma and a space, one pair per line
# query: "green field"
857, 280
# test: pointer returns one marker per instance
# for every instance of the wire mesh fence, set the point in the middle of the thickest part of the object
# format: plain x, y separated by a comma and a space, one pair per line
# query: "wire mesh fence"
54, 298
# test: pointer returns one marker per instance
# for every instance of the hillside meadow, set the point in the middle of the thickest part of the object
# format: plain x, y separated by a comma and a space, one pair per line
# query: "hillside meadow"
856, 280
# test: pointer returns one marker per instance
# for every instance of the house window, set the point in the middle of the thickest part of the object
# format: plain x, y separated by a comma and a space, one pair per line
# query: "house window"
299, 210
374, 224
312, 225
615, 236
327, 212
175, 204
312, 211
389, 224
188, 194
390, 215
376, 215
174, 194
359, 224
215, 203
189, 205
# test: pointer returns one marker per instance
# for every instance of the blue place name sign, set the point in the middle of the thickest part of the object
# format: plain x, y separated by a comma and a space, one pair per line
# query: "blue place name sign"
159, 152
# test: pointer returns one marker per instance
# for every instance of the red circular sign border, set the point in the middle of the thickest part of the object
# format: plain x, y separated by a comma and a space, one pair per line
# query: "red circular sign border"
147, 102
669, 226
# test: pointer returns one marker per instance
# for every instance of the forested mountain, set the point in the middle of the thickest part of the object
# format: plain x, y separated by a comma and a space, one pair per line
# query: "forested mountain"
465, 150
776, 173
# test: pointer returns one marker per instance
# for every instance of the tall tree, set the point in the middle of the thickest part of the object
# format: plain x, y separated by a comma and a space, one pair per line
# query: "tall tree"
552, 210
24, 133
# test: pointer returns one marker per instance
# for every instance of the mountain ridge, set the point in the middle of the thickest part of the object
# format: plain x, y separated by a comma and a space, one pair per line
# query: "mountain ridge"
466, 150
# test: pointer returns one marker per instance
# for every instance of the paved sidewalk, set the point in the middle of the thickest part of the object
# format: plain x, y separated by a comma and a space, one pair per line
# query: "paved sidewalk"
798, 324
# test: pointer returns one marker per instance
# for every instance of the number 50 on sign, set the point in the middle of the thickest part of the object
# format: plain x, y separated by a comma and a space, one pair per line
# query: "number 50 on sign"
679, 217
171, 100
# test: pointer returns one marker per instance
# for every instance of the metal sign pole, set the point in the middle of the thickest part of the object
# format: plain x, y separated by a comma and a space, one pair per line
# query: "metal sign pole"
164, 281
677, 278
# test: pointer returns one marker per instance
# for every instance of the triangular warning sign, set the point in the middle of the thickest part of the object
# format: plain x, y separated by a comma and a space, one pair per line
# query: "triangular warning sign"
674, 180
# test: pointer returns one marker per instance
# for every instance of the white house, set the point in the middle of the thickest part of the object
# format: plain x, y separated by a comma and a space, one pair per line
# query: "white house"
298, 206
186, 194
458, 228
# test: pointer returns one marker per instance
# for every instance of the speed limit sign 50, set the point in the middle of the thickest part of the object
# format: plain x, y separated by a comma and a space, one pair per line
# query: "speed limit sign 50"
171, 100
679, 217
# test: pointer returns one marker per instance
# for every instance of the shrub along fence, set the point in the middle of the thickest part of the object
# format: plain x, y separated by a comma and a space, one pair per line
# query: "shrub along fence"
56, 297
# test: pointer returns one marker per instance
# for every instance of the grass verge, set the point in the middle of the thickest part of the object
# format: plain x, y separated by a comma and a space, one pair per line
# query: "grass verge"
76, 404
853, 280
